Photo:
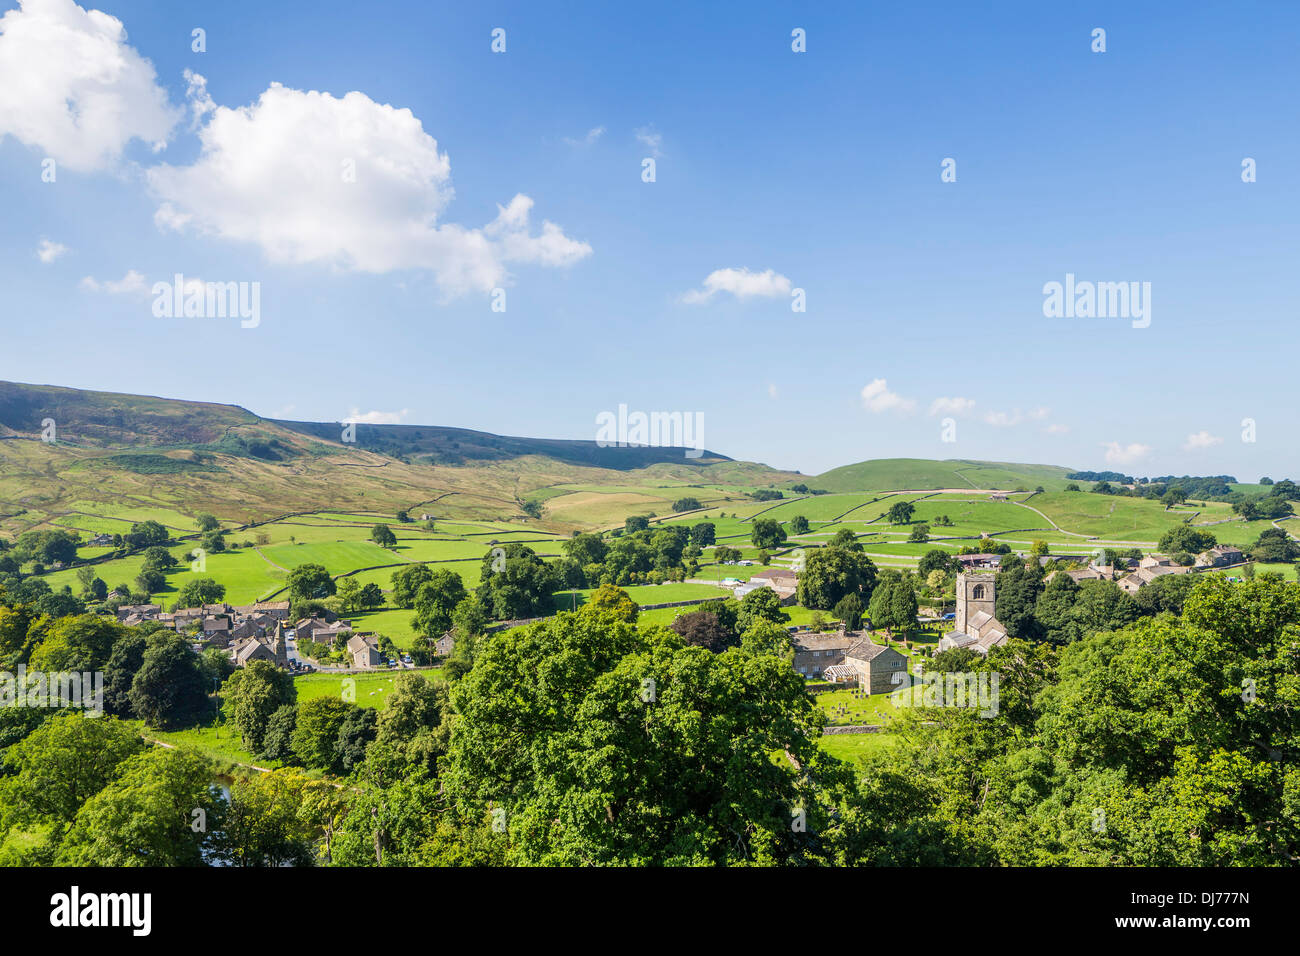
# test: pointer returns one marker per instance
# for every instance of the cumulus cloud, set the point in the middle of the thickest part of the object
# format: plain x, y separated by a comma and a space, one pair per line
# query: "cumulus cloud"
345, 181
877, 398
593, 134
952, 406
133, 283
740, 283
48, 251
71, 86
376, 418
1117, 454
651, 140
1201, 439
1016, 417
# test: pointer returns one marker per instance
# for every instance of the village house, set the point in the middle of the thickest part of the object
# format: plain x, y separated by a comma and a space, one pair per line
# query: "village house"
245, 628
1132, 583
1220, 556
781, 580
814, 653
1093, 572
100, 541
319, 631
975, 562
144, 612
278, 610
444, 645
364, 650
975, 627
877, 669
186, 617
216, 628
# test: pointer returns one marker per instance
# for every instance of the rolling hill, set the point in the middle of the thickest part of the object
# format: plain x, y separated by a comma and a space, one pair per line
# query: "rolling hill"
920, 474
136, 457
128, 457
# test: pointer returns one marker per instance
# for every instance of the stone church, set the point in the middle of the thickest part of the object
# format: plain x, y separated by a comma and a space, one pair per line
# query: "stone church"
975, 627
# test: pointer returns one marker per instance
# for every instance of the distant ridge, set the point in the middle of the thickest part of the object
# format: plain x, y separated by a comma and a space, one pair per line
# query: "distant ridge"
443, 445
94, 419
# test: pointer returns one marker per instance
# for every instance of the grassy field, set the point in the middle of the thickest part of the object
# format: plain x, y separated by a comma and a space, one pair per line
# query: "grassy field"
221, 743
851, 747
372, 690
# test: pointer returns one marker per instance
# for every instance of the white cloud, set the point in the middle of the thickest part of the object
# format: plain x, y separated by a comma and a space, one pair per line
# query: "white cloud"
650, 140
1117, 454
133, 283
377, 418
1057, 429
877, 398
771, 391
278, 173
1201, 439
1016, 417
952, 406
71, 86
48, 251
741, 283
593, 134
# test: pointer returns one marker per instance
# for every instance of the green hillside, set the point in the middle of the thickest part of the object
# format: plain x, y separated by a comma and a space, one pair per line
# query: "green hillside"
921, 474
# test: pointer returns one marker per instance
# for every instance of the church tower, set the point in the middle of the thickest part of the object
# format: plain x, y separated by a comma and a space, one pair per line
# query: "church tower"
974, 594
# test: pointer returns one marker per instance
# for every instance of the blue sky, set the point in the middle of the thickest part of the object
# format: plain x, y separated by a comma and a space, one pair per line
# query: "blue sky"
822, 167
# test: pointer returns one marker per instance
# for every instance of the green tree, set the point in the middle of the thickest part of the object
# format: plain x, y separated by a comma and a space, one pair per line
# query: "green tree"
766, 533
371, 596
703, 534
616, 601
900, 512
436, 601
264, 825
1183, 537
761, 604
407, 582
62, 764
252, 694
169, 690
316, 733
277, 742
199, 591
308, 581
558, 727
832, 572
849, 610
382, 535
147, 816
